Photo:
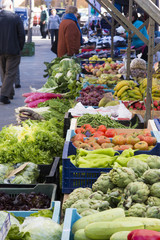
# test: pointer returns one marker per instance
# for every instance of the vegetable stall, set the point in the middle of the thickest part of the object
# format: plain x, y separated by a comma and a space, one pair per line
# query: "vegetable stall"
78, 147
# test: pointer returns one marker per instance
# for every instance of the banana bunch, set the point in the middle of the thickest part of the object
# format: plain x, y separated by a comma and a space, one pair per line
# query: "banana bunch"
127, 90
155, 88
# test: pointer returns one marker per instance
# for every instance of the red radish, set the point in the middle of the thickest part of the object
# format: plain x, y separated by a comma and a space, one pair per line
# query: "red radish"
35, 103
27, 94
39, 95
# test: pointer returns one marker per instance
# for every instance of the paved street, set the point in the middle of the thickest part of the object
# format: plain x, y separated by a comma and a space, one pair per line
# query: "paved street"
31, 71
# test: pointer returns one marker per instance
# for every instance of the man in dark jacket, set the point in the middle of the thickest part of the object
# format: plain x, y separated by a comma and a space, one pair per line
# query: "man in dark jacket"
43, 21
12, 38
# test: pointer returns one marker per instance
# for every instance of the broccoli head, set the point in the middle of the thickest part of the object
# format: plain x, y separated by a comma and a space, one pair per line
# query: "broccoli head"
121, 177
103, 183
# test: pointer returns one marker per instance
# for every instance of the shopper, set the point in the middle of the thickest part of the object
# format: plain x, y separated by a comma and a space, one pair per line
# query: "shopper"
53, 25
122, 6
69, 36
137, 43
43, 21
12, 38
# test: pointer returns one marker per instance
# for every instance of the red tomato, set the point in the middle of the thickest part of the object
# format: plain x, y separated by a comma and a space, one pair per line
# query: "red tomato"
102, 128
146, 132
110, 133
119, 140
98, 134
92, 130
141, 137
78, 137
86, 126
142, 145
79, 130
150, 140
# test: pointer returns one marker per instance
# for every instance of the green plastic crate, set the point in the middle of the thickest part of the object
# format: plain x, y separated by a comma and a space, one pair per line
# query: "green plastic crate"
47, 189
28, 49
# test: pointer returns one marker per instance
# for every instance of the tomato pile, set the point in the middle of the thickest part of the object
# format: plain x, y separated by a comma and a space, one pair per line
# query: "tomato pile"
91, 138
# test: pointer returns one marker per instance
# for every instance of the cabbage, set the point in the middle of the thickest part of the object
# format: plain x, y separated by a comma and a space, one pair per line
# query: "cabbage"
42, 228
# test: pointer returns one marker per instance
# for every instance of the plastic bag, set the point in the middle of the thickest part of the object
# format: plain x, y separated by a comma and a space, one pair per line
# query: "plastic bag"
138, 63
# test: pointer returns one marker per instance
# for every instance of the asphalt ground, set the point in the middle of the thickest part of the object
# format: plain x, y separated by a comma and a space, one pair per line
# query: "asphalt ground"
31, 75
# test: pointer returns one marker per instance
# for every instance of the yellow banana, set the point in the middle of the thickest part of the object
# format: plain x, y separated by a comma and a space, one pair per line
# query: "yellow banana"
121, 84
156, 98
124, 98
137, 92
123, 89
124, 94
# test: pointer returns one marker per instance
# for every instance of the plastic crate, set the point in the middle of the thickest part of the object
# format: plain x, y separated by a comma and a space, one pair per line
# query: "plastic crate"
73, 177
47, 189
157, 123
67, 121
71, 216
56, 212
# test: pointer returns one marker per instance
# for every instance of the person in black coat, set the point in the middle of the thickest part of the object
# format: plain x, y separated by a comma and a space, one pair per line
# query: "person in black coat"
122, 6
12, 39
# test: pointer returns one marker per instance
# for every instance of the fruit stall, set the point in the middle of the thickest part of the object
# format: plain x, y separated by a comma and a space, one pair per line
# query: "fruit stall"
82, 163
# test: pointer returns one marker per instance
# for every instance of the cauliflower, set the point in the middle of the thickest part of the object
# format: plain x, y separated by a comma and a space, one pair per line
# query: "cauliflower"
136, 210
153, 161
121, 177
138, 166
103, 183
151, 176
153, 201
78, 193
155, 190
81, 205
153, 212
137, 192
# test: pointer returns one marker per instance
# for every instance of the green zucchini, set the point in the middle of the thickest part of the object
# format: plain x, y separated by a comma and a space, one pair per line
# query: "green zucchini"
107, 215
120, 235
149, 223
80, 235
104, 230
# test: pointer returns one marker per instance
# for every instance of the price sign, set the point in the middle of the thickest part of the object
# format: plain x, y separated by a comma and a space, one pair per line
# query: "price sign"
5, 228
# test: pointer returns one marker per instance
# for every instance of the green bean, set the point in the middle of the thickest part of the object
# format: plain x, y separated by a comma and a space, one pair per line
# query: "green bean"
97, 119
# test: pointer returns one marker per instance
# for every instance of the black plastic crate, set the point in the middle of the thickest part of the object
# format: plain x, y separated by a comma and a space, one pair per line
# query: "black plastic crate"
133, 121
67, 122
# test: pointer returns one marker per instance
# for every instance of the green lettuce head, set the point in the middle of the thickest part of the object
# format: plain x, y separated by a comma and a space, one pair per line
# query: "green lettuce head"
121, 177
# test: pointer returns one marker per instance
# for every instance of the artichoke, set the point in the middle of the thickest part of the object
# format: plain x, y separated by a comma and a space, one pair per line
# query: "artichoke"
137, 191
88, 212
153, 212
121, 177
99, 205
155, 190
103, 183
138, 166
153, 161
78, 193
136, 210
114, 196
81, 205
153, 201
96, 195
151, 176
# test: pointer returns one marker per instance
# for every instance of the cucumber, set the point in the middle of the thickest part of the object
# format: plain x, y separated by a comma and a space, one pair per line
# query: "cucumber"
107, 215
80, 235
120, 235
149, 223
104, 230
